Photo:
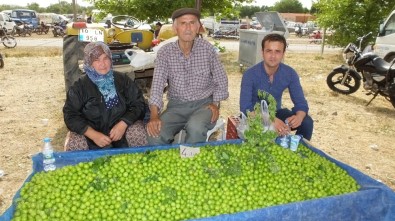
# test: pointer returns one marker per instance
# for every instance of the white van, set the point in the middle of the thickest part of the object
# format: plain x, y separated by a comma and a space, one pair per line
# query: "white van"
51, 18
385, 41
6, 22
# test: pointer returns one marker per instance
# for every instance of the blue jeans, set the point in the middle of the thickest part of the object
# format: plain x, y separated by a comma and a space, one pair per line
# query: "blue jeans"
306, 127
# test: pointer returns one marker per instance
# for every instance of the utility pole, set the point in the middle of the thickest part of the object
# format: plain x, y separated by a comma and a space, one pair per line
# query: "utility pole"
74, 11
198, 5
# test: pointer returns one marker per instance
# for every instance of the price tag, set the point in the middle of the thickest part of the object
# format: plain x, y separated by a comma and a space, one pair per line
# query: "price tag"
188, 152
91, 35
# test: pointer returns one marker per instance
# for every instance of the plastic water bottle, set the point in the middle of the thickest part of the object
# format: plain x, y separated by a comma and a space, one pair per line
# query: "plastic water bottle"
284, 141
48, 157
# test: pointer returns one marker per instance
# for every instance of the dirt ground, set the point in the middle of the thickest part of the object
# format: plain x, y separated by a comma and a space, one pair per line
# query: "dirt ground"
32, 89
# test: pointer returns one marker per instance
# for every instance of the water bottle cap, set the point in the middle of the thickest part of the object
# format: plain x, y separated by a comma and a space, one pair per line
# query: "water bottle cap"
47, 139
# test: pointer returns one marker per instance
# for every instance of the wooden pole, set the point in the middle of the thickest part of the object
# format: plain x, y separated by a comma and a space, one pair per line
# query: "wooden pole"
74, 11
198, 4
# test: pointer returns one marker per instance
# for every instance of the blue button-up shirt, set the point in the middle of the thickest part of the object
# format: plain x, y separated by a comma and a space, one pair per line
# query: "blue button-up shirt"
256, 78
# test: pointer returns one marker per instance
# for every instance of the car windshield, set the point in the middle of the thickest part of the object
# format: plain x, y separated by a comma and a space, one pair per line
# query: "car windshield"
21, 14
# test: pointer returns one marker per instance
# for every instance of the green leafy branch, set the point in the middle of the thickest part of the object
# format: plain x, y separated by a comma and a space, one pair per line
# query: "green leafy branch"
256, 131
271, 103
219, 47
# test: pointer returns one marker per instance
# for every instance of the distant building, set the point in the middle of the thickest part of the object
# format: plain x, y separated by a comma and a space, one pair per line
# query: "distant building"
298, 17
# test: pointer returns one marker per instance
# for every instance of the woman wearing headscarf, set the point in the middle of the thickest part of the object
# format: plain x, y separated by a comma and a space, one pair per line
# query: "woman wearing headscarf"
103, 108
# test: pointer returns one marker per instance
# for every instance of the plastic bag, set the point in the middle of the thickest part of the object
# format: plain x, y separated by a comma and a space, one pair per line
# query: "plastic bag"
140, 59
267, 123
242, 126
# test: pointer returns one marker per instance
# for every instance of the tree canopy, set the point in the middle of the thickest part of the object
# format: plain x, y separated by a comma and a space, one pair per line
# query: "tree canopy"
162, 9
251, 10
62, 7
289, 6
349, 19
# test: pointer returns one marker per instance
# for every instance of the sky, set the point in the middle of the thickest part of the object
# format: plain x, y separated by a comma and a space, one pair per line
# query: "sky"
46, 3
42, 3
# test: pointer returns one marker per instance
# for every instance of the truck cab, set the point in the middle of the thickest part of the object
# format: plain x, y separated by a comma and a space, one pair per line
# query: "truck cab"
20, 16
385, 41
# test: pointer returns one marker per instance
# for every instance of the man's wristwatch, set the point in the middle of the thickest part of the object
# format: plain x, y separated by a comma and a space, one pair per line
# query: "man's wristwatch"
216, 103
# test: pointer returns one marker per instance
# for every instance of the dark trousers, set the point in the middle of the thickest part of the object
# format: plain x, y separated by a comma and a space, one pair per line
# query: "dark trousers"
306, 127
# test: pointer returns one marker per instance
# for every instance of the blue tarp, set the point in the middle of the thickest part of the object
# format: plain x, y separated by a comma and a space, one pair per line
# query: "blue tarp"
374, 201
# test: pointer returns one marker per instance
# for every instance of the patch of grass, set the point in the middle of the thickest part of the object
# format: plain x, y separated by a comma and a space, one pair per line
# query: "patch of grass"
19, 52
230, 62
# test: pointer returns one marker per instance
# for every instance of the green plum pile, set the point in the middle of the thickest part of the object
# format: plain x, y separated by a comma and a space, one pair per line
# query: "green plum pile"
160, 185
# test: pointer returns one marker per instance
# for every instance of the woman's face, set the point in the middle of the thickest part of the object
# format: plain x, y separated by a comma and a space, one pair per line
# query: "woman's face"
102, 64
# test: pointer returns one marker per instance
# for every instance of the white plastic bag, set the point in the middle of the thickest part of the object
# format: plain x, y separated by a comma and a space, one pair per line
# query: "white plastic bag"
242, 126
140, 59
267, 123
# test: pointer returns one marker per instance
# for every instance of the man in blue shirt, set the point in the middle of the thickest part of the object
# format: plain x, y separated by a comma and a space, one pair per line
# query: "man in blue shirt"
274, 77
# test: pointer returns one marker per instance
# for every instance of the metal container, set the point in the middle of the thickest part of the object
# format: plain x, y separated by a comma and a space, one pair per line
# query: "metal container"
250, 50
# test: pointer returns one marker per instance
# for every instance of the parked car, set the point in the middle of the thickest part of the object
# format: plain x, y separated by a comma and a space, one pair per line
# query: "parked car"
6, 23
252, 25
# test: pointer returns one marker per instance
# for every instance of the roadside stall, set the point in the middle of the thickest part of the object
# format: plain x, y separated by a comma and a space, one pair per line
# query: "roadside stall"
372, 201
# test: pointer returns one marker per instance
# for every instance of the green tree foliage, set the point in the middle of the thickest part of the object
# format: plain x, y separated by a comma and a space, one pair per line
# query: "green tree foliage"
35, 6
289, 6
63, 7
349, 19
9, 7
162, 9
250, 10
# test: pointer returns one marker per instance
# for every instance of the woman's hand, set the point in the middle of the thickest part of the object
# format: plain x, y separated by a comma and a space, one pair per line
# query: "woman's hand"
100, 139
117, 132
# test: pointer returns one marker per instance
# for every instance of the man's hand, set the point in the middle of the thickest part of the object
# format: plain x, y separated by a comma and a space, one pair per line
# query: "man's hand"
153, 127
215, 110
281, 128
295, 121
117, 132
155, 124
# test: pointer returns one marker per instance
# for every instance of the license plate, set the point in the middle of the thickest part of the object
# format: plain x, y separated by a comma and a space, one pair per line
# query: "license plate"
91, 35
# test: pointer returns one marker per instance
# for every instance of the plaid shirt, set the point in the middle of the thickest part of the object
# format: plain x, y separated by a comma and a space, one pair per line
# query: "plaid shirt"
200, 76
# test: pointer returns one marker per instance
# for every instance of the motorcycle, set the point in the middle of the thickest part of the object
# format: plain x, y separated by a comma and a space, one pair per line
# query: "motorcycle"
28, 28
6, 39
22, 29
1, 61
59, 29
43, 28
377, 75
